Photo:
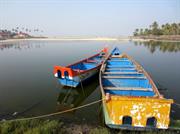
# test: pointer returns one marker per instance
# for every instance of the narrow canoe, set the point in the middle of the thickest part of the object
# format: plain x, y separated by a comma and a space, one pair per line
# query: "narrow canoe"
131, 100
74, 74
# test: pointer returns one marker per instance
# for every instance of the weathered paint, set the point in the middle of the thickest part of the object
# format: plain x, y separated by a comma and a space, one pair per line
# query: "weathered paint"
140, 109
121, 82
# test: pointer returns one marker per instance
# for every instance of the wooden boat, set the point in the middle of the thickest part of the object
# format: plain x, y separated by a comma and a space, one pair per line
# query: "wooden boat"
72, 75
131, 100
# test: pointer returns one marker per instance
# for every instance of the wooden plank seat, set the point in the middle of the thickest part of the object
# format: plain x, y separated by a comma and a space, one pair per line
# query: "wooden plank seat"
116, 56
124, 77
121, 68
118, 60
128, 88
91, 61
122, 73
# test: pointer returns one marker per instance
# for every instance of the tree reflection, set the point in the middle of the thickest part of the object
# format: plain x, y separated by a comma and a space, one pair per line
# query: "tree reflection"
20, 45
161, 46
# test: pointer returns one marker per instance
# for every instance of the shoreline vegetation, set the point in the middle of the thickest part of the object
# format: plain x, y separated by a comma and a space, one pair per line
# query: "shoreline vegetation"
163, 38
46, 126
158, 32
155, 32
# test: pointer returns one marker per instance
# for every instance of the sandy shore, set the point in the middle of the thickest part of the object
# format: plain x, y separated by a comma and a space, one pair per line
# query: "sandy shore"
65, 39
121, 39
162, 38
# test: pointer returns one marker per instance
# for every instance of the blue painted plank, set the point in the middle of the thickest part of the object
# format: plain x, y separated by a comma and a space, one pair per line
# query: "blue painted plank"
120, 66
68, 82
121, 70
144, 83
130, 93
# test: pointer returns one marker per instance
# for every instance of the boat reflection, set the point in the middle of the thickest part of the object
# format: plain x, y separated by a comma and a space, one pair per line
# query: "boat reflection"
160, 46
73, 97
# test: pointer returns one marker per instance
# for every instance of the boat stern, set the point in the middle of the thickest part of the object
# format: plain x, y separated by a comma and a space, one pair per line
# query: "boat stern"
134, 112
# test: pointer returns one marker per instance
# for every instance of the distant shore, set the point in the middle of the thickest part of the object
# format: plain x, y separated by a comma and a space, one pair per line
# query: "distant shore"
125, 39
166, 38
67, 39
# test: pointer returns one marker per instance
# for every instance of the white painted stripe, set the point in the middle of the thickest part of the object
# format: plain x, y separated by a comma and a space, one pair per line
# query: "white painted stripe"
70, 77
56, 75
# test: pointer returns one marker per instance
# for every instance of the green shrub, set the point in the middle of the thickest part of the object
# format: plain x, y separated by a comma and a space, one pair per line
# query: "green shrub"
99, 131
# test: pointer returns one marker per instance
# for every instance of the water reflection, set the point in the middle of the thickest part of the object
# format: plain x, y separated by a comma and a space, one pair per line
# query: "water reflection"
73, 97
161, 46
20, 45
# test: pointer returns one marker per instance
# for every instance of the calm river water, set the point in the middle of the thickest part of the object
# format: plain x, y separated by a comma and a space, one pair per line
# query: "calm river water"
28, 87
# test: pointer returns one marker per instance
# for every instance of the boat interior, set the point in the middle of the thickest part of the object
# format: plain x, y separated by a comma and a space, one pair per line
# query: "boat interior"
88, 63
121, 77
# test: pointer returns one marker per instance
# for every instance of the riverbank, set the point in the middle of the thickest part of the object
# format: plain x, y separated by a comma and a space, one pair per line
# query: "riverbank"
58, 127
66, 39
163, 38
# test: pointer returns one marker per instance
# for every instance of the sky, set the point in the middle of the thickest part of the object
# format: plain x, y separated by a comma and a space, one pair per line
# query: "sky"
108, 18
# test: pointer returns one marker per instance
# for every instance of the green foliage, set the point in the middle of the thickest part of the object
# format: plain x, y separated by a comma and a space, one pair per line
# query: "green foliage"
30, 127
57, 127
175, 123
100, 131
155, 29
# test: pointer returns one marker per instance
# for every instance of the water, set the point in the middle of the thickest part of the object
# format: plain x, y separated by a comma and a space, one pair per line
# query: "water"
27, 84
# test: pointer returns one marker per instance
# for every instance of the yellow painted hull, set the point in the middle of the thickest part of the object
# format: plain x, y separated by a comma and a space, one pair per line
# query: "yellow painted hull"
140, 109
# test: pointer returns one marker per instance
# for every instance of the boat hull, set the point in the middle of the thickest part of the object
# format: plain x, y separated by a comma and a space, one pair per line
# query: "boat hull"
76, 73
77, 80
140, 109
131, 100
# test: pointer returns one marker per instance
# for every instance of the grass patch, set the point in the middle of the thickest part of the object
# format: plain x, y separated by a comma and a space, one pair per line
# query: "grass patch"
175, 123
30, 127
100, 130
57, 127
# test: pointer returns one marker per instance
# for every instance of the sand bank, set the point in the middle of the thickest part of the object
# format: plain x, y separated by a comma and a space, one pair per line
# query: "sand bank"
65, 39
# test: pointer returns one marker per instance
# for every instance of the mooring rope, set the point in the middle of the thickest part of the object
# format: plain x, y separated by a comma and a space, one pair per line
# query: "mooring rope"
177, 104
69, 110
56, 113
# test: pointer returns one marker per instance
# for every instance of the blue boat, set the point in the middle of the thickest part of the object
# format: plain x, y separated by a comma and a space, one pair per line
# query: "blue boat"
130, 97
74, 74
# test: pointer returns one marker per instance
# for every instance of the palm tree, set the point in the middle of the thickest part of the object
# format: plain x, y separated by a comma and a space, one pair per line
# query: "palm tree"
135, 32
146, 31
141, 31
154, 27
166, 29
179, 28
174, 29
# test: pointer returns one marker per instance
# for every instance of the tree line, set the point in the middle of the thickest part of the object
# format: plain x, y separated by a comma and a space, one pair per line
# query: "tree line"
12, 33
21, 29
156, 29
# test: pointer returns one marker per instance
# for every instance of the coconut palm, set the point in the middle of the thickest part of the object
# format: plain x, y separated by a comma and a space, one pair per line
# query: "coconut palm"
135, 32
174, 29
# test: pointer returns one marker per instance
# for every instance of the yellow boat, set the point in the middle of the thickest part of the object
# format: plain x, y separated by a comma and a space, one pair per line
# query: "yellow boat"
131, 100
